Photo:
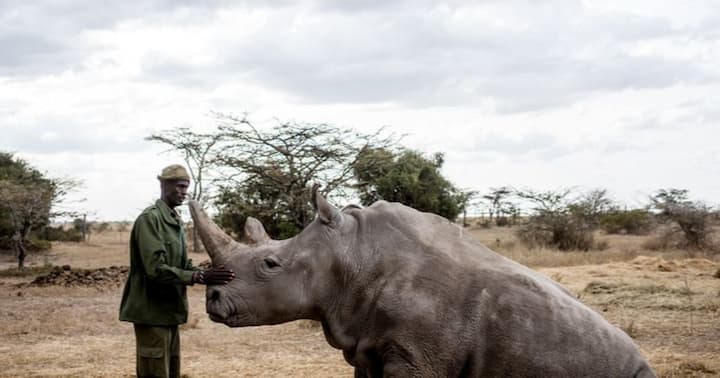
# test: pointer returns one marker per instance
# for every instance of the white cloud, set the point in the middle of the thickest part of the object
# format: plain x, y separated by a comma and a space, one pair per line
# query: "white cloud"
618, 94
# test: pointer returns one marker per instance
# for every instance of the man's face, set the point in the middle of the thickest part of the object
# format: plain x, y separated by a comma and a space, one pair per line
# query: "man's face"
174, 192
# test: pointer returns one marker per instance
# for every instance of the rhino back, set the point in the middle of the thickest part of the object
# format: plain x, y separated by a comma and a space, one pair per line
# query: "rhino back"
452, 307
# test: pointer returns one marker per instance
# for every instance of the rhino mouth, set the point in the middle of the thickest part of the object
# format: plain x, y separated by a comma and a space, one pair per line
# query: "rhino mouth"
236, 320
232, 316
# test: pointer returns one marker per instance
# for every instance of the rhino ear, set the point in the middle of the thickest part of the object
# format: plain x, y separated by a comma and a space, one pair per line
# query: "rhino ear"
327, 213
255, 232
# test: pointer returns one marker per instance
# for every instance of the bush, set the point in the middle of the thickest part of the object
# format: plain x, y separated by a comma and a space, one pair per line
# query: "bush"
690, 219
38, 245
33, 244
503, 221
631, 222
561, 231
563, 222
60, 234
660, 242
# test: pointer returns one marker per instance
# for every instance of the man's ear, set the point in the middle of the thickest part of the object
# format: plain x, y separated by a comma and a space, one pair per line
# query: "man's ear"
326, 213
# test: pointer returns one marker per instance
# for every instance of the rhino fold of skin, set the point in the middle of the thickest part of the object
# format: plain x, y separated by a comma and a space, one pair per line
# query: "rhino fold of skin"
410, 294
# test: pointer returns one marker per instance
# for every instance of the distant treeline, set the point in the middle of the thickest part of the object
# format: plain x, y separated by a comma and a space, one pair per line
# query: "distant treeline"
267, 173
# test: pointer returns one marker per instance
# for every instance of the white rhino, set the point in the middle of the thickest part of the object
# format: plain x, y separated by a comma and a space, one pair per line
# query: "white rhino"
409, 294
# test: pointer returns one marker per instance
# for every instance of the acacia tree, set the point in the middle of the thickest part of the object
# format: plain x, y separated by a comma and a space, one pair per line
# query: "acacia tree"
198, 151
465, 201
28, 208
498, 203
592, 206
690, 217
267, 172
563, 220
27, 198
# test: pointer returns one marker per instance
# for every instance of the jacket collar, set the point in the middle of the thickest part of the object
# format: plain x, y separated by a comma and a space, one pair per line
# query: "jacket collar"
169, 215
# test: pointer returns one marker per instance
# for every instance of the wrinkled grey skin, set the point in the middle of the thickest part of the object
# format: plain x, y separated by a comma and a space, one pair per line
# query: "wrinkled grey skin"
409, 294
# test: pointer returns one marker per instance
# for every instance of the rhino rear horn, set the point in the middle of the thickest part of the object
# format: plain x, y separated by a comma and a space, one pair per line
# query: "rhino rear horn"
255, 232
213, 237
327, 213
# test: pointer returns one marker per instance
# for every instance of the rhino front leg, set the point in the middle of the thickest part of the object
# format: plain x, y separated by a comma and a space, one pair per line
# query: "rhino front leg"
400, 362
401, 368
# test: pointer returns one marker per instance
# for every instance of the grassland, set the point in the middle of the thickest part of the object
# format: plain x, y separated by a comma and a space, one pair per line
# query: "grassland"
669, 302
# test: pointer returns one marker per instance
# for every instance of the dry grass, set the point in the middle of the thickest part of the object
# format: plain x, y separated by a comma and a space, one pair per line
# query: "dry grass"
616, 248
668, 303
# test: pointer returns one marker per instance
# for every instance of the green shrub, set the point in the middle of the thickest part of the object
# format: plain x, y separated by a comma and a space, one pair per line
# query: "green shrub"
563, 221
26, 272
691, 219
557, 230
60, 234
38, 245
33, 244
631, 222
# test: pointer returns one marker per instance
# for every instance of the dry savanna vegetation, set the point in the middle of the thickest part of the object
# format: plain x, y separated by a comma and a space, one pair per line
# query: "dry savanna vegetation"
66, 325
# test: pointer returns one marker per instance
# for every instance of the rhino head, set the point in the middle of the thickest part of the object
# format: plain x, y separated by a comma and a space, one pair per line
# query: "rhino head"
276, 280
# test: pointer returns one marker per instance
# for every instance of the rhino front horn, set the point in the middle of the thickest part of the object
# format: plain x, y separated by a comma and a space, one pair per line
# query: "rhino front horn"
214, 239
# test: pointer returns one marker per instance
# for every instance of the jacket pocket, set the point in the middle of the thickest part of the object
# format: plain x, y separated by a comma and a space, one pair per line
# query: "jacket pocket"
151, 362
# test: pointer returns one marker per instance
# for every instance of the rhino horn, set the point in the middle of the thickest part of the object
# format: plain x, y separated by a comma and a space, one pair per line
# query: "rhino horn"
327, 213
213, 237
255, 232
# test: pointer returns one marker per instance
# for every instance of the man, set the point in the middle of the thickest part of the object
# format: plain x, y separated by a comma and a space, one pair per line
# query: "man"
154, 298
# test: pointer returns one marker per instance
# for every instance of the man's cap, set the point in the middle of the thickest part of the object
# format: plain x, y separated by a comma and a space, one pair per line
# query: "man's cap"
174, 172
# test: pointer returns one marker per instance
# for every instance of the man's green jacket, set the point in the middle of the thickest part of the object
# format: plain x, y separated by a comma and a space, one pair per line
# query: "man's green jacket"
155, 291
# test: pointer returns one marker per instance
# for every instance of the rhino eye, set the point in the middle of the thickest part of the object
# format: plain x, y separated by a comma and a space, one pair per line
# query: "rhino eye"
271, 263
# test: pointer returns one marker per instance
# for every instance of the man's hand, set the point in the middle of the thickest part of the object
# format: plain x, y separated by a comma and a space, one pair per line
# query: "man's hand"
216, 275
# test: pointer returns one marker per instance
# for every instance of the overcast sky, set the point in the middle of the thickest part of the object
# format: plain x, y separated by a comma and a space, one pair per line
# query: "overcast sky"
623, 94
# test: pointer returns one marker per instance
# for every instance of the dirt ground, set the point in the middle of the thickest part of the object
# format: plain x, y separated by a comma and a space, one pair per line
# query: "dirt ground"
669, 304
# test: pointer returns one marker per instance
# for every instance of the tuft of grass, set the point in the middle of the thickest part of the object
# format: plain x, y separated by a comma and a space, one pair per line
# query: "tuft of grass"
687, 369
598, 287
660, 289
26, 272
630, 328
308, 324
602, 245
557, 277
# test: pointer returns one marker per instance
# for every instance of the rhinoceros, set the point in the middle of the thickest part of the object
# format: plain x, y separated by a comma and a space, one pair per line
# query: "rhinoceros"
409, 294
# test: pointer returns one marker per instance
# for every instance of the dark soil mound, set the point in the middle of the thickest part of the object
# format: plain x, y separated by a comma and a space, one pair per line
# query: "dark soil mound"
66, 276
